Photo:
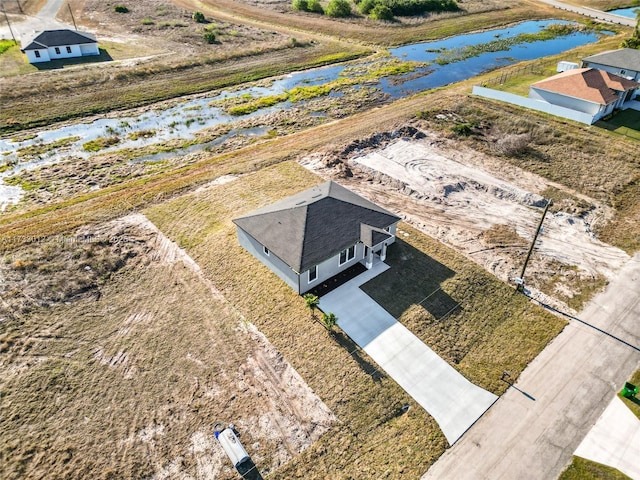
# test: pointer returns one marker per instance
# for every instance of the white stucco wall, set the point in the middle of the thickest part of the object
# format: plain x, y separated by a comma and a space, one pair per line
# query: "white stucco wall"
572, 103
533, 104
618, 71
31, 56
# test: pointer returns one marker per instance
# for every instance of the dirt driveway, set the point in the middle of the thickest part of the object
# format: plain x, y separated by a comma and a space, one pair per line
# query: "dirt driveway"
23, 26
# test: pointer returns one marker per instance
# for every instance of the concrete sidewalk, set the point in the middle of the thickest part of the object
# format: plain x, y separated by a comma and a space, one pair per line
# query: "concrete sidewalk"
614, 440
453, 401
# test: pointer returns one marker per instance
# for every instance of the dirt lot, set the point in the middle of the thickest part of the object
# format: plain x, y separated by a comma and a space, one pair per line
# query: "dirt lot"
476, 204
101, 379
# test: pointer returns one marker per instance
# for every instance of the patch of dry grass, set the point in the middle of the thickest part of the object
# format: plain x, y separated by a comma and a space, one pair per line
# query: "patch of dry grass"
128, 380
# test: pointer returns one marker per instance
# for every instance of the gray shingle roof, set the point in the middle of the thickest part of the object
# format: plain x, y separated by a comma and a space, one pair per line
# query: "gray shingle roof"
314, 225
59, 38
625, 58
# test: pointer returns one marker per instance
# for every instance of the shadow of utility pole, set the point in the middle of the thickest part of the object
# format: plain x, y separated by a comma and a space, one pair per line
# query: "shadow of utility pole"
506, 378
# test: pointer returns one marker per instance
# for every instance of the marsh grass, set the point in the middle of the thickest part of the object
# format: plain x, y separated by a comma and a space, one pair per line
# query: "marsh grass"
42, 148
552, 31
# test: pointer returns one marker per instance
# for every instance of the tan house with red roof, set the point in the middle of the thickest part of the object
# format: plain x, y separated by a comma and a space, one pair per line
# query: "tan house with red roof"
587, 90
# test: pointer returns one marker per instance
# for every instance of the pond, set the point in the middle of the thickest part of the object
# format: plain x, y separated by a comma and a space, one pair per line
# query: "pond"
631, 12
183, 120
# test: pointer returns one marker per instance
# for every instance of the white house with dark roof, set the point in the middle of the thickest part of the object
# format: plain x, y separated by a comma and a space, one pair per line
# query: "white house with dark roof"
624, 62
58, 44
594, 92
311, 236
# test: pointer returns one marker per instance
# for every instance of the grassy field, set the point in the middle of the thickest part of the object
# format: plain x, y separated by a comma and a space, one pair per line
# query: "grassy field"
493, 330
581, 469
117, 359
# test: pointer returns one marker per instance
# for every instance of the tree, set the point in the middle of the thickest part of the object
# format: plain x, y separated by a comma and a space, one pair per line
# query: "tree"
301, 5
381, 12
121, 9
338, 8
312, 302
329, 320
634, 41
315, 6
365, 6
198, 17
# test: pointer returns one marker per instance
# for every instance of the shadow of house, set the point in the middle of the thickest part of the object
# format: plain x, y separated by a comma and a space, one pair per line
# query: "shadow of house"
414, 279
104, 56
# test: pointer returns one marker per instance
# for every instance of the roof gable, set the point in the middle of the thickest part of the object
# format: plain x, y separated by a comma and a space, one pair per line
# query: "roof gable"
307, 228
625, 58
588, 84
59, 38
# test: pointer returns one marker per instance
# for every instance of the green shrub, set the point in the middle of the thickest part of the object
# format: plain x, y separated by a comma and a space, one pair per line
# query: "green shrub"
5, 45
338, 8
198, 17
417, 7
147, 21
381, 12
121, 9
301, 5
209, 36
462, 129
365, 6
315, 6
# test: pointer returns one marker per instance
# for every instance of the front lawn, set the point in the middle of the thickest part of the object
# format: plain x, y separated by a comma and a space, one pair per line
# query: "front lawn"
624, 122
491, 329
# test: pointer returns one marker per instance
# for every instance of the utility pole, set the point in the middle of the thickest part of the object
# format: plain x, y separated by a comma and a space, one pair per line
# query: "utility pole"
8, 23
71, 13
520, 281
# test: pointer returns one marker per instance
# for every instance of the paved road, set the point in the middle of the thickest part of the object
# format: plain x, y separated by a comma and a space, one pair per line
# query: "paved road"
535, 427
24, 25
593, 13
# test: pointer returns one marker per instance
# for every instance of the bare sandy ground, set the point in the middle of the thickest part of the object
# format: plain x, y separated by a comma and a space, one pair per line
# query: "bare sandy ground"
294, 416
456, 195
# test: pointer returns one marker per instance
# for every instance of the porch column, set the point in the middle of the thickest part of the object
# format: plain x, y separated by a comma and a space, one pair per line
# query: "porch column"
383, 252
369, 260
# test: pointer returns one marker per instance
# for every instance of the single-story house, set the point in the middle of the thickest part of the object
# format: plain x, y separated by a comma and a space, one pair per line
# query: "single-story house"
56, 44
587, 90
624, 62
311, 236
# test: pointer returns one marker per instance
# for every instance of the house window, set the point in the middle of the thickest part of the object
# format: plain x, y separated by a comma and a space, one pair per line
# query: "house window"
265, 250
37, 53
347, 255
57, 50
623, 72
313, 274
68, 49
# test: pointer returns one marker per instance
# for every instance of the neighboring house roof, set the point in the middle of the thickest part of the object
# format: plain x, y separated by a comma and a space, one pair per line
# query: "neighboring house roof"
316, 224
624, 58
588, 84
58, 38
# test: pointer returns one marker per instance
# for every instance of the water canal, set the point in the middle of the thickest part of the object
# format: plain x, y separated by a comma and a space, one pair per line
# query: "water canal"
185, 119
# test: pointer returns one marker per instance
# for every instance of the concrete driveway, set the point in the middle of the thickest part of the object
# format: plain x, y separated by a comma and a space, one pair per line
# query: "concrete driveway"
536, 426
614, 440
453, 401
